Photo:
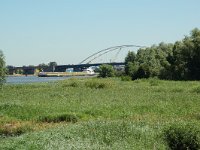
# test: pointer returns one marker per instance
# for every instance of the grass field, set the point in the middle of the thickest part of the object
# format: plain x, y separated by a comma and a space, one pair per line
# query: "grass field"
95, 113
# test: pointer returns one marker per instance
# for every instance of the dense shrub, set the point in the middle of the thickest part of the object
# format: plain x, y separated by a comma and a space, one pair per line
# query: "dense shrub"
182, 137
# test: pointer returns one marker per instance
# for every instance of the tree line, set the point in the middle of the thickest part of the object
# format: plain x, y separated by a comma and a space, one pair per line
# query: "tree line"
171, 61
174, 61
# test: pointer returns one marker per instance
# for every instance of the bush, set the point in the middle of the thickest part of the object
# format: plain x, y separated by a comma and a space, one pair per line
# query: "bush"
2, 69
126, 78
119, 73
154, 82
182, 137
98, 84
59, 118
71, 83
106, 71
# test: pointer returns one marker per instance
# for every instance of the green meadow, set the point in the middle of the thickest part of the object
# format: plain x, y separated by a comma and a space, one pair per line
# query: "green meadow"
96, 113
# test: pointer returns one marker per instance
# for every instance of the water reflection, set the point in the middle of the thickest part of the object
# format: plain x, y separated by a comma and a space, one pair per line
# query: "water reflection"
32, 79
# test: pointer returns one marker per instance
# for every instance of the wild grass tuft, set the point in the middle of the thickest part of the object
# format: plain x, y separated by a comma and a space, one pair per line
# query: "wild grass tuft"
196, 116
98, 84
71, 83
126, 78
94, 112
196, 90
14, 129
154, 82
177, 90
59, 118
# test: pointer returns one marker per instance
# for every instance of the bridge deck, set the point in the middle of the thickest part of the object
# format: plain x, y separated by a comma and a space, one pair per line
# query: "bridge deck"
62, 68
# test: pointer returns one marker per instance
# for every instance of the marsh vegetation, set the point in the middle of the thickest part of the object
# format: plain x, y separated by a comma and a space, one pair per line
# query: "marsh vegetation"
97, 113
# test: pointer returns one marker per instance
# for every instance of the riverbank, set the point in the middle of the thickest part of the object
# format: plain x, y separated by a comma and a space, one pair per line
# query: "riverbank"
95, 113
19, 75
64, 74
55, 74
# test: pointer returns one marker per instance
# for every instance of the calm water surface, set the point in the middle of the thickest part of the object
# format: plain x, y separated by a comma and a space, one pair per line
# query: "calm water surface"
32, 79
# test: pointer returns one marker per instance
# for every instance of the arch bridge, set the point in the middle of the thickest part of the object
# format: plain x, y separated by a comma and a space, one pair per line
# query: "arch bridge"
87, 62
90, 60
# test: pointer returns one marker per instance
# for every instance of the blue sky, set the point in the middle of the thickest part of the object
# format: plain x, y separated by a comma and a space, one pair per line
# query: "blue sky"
67, 31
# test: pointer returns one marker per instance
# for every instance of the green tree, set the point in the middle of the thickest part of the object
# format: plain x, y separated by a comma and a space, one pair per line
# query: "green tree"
148, 62
185, 62
191, 54
177, 65
130, 63
42, 66
52, 65
131, 69
179, 61
106, 71
142, 72
152, 61
164, 53
130, 57
2, 69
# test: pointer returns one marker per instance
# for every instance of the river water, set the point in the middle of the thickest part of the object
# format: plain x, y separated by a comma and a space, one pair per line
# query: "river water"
32, 79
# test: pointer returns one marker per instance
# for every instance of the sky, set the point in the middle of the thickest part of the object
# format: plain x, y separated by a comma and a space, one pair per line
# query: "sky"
67, 31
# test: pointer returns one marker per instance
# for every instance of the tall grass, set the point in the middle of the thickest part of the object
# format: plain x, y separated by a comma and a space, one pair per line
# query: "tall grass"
59, 118
111, 113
